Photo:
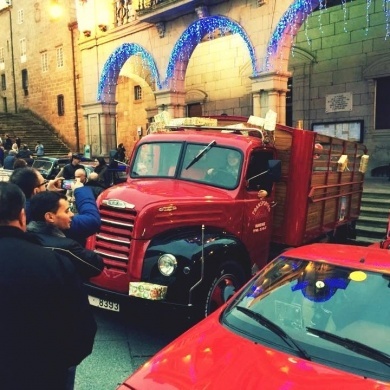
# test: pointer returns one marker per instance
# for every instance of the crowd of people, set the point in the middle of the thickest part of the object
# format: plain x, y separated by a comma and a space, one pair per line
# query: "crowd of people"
14, 154
47, 327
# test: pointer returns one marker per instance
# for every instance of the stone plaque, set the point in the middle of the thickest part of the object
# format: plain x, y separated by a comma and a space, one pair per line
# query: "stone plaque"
338, 102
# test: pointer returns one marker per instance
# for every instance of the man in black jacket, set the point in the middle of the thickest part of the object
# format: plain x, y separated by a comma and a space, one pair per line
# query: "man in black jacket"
50, 215
46, 324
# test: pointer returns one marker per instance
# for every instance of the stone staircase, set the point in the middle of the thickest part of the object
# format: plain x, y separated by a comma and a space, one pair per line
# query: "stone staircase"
374, 211
30, 129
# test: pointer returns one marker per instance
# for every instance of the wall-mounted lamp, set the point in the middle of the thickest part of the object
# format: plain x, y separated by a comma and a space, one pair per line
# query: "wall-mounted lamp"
102, 27
87, 33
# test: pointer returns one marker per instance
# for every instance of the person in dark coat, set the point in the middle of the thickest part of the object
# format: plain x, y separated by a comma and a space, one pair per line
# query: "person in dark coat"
68, 171
50, 215
94, 184
7, 143
9, 160
46, 324
102, 170
26, 154
84, 224
121, 152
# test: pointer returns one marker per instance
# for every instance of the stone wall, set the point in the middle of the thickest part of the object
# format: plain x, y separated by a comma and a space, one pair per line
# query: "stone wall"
43, 34
335, 52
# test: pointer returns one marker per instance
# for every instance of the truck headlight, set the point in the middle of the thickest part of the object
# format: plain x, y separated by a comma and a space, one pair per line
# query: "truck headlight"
167, 264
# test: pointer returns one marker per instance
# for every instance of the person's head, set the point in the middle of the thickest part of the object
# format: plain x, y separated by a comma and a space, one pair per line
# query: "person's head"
93, 176
120, 145
81, 174
38, 142
29, 180
51, 207
233, 159
12, 203
20, 163
76, 158
101, 160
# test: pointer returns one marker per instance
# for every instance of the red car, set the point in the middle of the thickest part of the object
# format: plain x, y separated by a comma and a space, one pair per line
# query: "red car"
316, 317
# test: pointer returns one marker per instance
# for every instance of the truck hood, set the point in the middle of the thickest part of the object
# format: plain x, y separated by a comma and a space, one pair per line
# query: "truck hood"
146, 192
209, 356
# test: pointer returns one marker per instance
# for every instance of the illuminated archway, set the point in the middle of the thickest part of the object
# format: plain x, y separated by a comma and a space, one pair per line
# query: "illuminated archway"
193, 35
281, 40
114, 64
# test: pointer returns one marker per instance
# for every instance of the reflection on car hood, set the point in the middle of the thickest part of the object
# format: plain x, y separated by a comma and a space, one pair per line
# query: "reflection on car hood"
209, 356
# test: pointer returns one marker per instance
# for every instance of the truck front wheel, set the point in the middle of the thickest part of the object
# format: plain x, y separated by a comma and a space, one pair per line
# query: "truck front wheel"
227, 280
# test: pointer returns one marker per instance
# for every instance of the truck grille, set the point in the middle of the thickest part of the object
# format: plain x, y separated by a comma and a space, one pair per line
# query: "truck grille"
114, 238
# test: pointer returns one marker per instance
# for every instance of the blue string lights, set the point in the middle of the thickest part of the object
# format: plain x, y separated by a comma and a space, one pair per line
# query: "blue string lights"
290, 22
296, 15
282, 37
114, 64
193, 35
181, 53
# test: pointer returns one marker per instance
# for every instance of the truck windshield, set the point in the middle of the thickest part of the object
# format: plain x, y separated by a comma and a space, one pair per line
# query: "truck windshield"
220, 166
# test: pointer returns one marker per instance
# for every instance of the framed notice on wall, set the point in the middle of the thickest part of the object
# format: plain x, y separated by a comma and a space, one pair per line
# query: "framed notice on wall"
348, 130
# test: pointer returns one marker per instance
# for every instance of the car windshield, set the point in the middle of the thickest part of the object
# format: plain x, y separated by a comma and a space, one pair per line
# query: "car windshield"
330, 314
44, 167
205, 163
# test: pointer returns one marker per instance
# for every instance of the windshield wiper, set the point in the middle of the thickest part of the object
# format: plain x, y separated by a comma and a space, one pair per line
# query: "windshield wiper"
352, 345
275, 329
201, 154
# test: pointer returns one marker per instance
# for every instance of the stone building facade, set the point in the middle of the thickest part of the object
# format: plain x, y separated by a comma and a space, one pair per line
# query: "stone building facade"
39, 64
311, 64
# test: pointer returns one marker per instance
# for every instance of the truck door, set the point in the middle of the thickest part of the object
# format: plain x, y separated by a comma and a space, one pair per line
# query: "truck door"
259, 205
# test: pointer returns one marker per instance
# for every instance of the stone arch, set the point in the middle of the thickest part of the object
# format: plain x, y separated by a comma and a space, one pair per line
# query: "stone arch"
193, 35
289, 24
114, 64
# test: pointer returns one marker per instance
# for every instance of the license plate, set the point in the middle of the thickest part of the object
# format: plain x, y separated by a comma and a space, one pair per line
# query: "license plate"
103, 304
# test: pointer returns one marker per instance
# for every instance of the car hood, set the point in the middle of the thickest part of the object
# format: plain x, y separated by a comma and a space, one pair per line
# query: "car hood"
209, 356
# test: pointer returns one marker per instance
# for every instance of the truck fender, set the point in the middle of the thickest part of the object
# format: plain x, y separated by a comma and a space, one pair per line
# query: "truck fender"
186, 246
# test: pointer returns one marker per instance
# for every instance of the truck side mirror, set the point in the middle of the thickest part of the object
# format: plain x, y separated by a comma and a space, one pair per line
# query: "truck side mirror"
274, 169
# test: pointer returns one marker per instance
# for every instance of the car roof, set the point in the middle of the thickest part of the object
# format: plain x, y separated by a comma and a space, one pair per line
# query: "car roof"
351, 256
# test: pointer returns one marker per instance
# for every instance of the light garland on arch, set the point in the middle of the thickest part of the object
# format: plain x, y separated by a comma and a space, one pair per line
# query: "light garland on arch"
193, 35
297, 14
114, 64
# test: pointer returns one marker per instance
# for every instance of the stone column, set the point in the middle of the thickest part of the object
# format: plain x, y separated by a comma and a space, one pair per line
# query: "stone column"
269, 93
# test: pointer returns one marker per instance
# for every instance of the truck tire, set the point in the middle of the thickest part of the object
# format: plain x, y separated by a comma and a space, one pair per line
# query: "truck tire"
229, 277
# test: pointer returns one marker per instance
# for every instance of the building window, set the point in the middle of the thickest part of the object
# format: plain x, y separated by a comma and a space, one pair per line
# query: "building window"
60, 57
25, 81
137, 92
23, 50
20, 16
60, 105
3, 82
382, 118
44, 62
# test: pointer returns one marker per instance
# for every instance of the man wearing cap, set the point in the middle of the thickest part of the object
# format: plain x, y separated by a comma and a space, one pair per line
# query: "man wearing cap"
68, 171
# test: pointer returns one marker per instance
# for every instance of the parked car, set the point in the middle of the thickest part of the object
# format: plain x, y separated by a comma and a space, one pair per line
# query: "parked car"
316, 317
50, 166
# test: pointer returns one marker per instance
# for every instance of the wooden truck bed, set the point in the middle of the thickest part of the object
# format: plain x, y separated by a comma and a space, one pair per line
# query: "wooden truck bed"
319, 191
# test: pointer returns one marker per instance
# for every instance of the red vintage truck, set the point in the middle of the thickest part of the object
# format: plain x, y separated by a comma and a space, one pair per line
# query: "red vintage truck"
187, 230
